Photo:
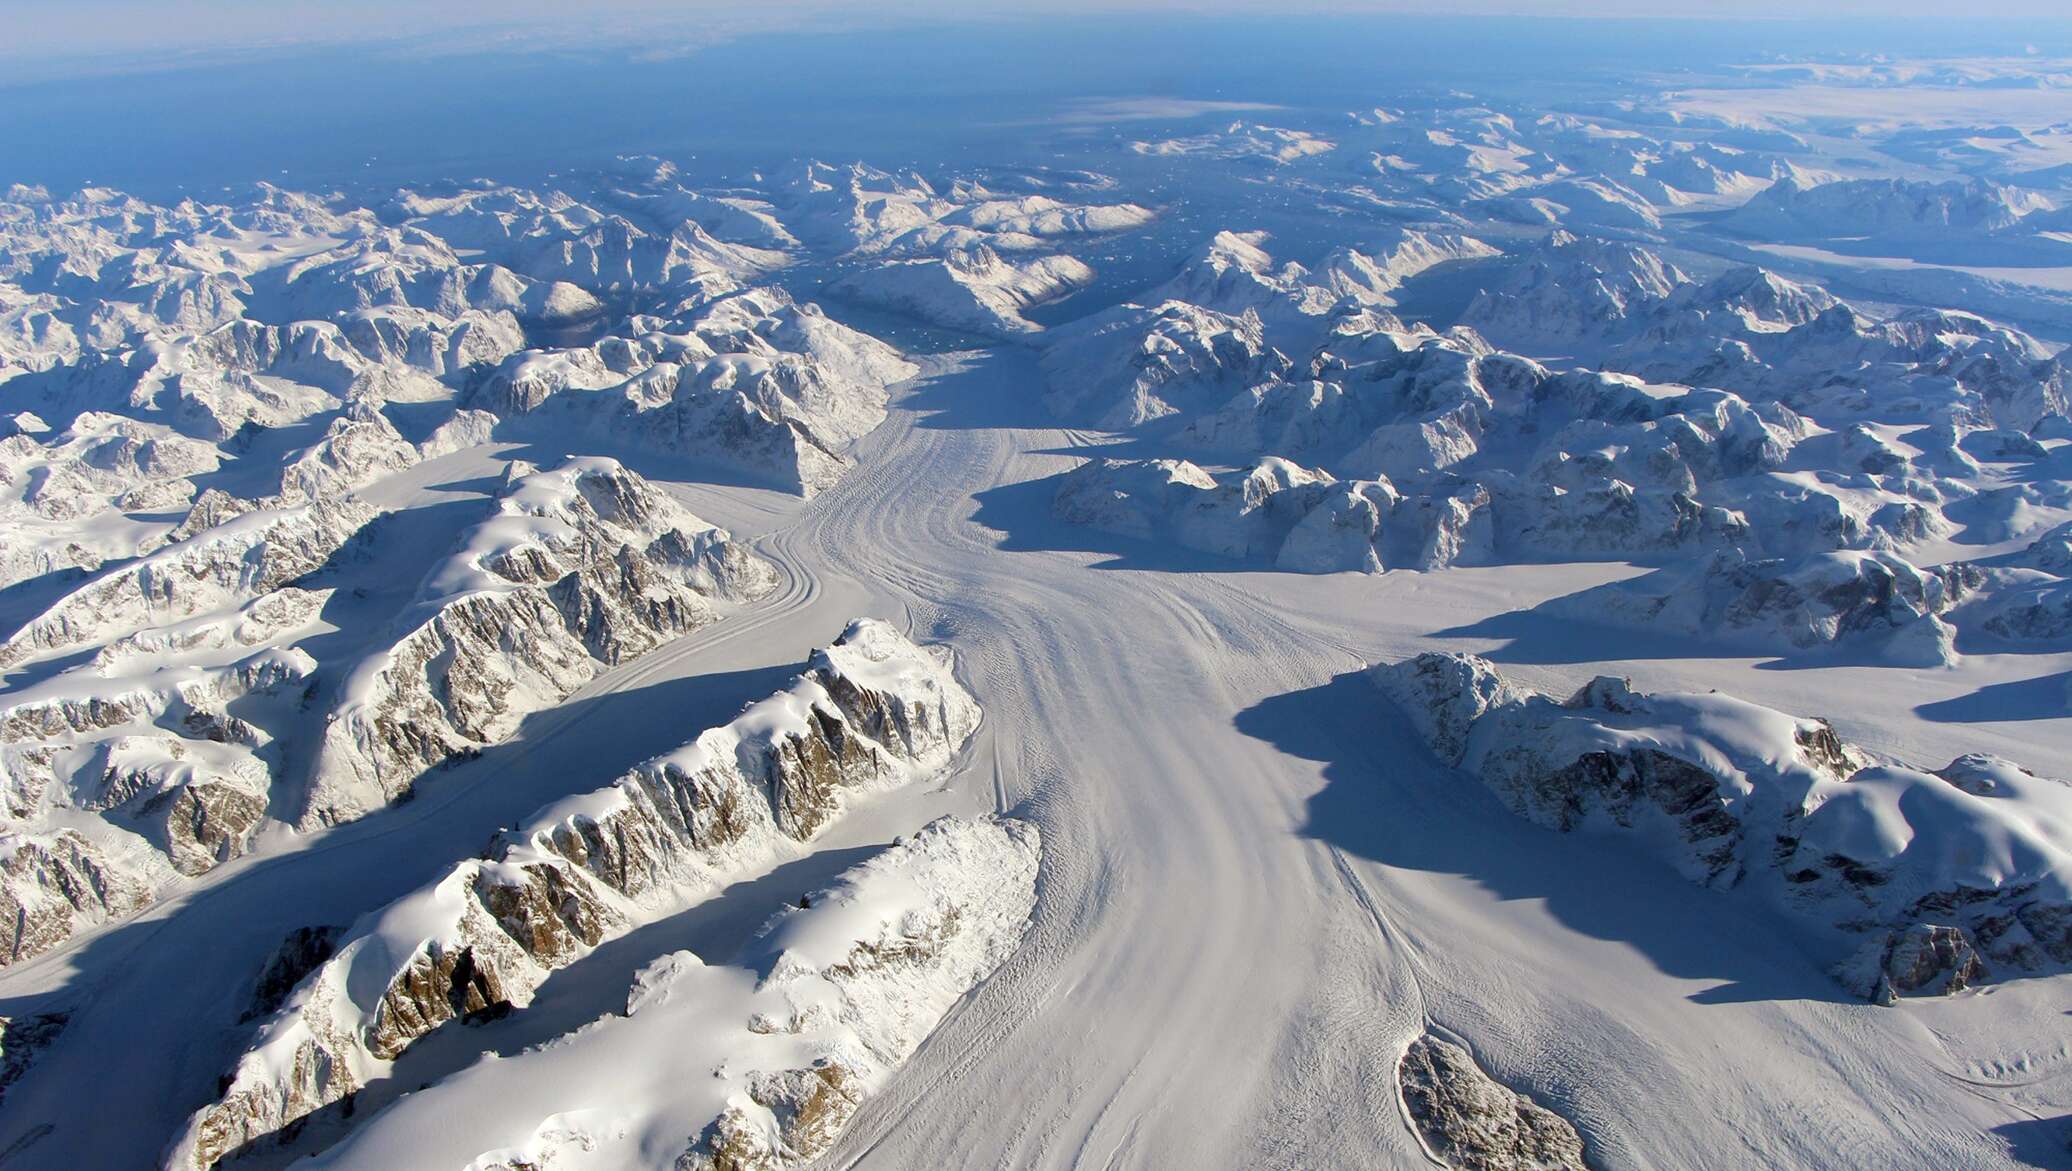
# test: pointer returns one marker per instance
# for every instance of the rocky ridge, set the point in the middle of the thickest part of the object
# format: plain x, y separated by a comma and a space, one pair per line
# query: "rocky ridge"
576, 570
1920, 882
871, 711
1467, 1119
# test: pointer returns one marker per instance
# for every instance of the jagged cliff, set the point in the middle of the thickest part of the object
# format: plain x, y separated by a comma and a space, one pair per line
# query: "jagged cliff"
576, 569
756, 1063
871, 711
235, 561
1917, 881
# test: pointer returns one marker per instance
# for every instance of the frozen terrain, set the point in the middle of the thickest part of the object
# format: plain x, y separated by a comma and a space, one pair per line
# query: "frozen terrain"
1455, 629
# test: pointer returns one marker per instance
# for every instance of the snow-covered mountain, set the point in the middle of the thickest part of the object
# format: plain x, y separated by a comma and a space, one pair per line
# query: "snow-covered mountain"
871, 711
1426, 635
977, 292
1920, 882
1883, 208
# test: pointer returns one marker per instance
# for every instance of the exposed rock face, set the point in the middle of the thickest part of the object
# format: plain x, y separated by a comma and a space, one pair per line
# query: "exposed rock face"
1877, 605
410, 267
978, 291
167, 734
1443, 696
1226, 324
263, 620
1753, 333
193, 701
1573, 288
358, 447
239, 560
101, 460
1925, 959
756, 1064
21, 1039
1381, 399
914, 966
1298, 519
1467, 1119
757, 383
52, 885
871, 711
206, 820
166, 757
1615, 463
213, 507
299, 954
1173, 358
579, 568
2030, 607
1928, 878
1541, 465
170, 759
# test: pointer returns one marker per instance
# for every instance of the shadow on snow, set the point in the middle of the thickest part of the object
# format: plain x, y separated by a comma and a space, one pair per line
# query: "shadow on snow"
1386, 799
165, 964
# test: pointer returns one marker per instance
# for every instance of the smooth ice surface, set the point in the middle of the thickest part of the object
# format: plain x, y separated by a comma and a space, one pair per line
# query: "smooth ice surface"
1150, 379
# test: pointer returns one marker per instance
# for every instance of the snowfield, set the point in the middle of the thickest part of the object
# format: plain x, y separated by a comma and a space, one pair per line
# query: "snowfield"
1386, 640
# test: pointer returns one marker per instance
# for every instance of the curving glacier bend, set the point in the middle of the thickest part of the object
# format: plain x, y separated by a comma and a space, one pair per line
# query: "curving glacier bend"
1465, 679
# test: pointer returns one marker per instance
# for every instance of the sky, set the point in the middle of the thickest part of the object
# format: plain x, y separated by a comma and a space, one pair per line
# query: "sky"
39, 30
171, 96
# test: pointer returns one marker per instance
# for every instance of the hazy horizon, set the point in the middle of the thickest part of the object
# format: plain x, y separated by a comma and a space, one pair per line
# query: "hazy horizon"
522, 103
64, 34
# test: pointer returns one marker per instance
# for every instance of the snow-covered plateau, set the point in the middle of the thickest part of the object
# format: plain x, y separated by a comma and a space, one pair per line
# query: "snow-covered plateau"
1492, 630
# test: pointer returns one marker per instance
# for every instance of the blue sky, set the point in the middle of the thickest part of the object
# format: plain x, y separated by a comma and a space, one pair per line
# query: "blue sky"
42, 28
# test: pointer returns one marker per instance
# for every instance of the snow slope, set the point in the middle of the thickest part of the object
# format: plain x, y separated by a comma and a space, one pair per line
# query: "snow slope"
756, 1064
1272, 923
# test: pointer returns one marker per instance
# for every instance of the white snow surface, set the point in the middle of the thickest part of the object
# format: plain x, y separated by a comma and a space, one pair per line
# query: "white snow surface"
1462, 374
669, 855
639, 1090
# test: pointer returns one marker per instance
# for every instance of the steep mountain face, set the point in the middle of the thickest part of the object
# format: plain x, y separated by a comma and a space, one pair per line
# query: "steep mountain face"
311, 310
52, 885
1788, 210
239, 561
21, 1038
1296, 518
412, 267
1575, 288
977, 291
1876, 605
870, 712
2025, 600
720, 386
756, 1063
552, 237
1131, 364
577, 569
1234, 272
1189, 345
371, 775
172, 740
1576, 465
1374, 273
154, 757
1800, 459
1767, 338
1917, 882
